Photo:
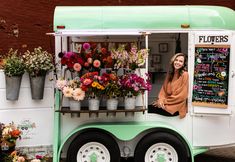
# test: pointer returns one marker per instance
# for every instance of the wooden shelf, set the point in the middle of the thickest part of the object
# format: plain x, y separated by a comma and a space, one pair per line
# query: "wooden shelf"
66, 110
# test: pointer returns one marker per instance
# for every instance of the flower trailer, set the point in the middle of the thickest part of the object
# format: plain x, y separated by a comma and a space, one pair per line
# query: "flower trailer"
204, 33
110, 65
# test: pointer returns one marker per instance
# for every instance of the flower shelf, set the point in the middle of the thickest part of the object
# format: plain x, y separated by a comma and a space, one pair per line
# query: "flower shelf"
66, 110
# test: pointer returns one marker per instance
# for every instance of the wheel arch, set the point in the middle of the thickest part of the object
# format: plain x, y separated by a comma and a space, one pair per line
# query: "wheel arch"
126, 131
173, 132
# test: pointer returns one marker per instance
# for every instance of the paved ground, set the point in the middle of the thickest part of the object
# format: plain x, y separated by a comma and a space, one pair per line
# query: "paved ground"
217, 155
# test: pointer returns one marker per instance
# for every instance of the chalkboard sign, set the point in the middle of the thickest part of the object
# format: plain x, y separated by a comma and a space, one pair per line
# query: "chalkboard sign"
211, 68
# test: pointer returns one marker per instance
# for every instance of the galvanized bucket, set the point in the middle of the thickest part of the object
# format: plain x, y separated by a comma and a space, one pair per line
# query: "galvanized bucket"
37, 87
13, 87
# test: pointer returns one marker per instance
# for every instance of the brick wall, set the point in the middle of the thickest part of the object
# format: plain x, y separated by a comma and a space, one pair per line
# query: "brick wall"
35, 18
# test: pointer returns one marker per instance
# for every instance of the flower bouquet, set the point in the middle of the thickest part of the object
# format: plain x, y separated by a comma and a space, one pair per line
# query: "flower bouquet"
38, 62
130, 59
91, 57
10, 133
112, 90
13, 64
14, 69
71, 89
93, 85
132, 85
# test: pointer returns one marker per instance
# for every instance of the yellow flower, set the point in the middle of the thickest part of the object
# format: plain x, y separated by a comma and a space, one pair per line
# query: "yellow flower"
94, 84
100, 86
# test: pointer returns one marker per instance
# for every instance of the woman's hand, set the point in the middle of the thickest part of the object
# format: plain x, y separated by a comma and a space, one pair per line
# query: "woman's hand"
159, 104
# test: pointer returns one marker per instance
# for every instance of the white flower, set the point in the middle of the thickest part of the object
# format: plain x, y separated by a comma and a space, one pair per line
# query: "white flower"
60, 84
78, 94
68, 92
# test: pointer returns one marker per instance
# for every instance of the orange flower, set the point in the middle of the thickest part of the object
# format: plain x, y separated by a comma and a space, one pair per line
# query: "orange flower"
15, 133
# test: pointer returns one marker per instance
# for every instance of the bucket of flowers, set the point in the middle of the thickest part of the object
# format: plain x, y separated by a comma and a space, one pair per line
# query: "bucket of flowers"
93, 85
72, 90
9, 134
133, 85
38, 63
112, 90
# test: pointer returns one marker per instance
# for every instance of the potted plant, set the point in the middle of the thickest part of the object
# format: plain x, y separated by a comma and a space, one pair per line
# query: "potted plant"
93, 85
38, 62
14, 69
71, 89
112, 90
133, 85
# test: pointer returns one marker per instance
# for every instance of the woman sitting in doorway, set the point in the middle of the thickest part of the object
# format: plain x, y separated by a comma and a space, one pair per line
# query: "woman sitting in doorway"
173, 95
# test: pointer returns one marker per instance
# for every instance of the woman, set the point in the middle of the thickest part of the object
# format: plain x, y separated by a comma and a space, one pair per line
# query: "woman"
174, 92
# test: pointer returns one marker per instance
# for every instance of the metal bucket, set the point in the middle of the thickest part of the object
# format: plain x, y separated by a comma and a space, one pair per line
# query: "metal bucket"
13, 87
112, 104
37, 87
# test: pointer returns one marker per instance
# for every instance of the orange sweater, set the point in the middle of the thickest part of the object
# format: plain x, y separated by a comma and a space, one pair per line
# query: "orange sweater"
174, 94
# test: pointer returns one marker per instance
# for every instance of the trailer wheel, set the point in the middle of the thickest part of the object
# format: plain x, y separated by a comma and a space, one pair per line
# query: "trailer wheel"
160, 147
93, 146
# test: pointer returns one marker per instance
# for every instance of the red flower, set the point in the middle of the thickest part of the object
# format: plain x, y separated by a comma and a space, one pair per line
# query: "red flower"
103, 50
70, 64
80, 61
63, 61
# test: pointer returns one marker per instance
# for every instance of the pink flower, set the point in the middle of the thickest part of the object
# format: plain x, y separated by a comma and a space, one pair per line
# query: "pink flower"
87, 81
136, 89
78, 94
68, 54
86, 64
96, 63
77, 67
60, 84
86, 46
89, 60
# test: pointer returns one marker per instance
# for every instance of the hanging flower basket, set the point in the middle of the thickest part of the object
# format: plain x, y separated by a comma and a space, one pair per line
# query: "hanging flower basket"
13, 87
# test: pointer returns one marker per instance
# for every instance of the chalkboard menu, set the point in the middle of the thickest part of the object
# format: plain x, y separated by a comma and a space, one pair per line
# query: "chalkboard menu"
211, 68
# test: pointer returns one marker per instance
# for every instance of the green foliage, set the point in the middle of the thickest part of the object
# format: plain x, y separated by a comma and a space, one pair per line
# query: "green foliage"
38, 62
112, 90
13, 64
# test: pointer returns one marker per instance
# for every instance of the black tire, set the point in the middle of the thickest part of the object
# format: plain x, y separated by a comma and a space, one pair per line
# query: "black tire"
163, 144
95, 139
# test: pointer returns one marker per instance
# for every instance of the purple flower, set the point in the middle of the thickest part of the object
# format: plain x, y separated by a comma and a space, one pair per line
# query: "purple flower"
86, 46
68, 54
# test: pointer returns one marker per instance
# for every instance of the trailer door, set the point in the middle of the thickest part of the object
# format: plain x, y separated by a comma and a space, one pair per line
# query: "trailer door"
212, 102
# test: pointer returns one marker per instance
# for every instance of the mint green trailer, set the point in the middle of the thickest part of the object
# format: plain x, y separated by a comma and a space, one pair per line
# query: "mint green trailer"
122, 138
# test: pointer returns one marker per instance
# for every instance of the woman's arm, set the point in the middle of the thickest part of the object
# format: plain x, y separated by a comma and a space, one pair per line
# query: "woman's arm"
181, 92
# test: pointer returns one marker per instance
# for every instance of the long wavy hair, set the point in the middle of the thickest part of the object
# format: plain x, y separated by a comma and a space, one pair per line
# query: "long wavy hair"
172, 68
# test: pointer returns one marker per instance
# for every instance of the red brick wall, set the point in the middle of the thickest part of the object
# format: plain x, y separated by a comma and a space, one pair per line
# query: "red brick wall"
35, 18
